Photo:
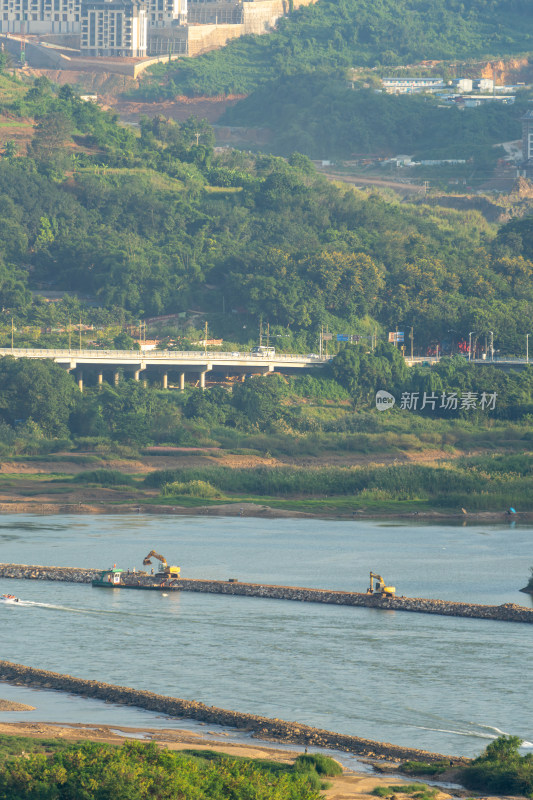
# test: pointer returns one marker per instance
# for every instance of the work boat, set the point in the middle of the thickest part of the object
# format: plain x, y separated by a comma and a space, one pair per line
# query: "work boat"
8, 598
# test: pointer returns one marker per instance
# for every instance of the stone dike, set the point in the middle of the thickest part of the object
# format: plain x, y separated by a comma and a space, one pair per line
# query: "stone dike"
508, 612
261, 727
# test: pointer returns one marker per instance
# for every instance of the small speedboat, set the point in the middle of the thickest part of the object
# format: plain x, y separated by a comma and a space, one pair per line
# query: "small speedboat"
8, 598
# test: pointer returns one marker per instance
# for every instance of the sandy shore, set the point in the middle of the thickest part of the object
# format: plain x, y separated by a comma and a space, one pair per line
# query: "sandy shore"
253, 510
352, 785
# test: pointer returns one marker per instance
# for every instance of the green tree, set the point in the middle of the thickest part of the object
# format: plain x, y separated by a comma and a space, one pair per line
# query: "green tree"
52, 132
40, 391
260, 399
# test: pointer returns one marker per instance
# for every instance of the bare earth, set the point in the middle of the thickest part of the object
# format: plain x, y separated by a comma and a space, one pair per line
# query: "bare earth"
349, 786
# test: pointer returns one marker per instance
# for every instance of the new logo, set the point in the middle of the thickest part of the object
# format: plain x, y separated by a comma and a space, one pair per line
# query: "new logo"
384, 400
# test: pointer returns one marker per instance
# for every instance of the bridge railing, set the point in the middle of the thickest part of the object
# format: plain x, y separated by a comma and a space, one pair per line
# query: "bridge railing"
138, 355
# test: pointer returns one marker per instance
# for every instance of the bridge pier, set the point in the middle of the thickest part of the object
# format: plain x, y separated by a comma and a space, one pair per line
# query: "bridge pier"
165, 380
80, 380
136, 374
182, 381
100, 379
202, 380
116, 377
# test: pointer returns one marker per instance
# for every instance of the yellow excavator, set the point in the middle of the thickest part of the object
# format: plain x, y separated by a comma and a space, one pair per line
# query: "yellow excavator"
380, 587
164, 568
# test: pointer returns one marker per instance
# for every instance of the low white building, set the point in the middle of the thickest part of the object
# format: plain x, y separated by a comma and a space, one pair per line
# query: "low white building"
411, 85
462, 84
484, 85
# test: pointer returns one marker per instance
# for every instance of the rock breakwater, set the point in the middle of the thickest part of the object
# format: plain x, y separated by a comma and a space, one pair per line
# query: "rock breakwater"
262, 727
508, 612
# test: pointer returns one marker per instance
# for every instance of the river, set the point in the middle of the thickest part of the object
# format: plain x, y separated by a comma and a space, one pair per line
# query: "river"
444, 684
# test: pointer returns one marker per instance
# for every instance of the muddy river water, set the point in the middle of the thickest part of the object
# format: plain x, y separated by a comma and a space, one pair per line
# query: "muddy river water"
439, 683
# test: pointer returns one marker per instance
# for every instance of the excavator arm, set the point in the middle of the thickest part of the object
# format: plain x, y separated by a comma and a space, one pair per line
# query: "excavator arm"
159, 557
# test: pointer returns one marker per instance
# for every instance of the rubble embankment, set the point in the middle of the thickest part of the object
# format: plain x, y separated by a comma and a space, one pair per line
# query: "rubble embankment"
508, 612
262, 727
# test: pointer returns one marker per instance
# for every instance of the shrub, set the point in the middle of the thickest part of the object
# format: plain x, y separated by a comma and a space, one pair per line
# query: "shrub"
322, 765
501, 769
143, 772
104, 477
192, 488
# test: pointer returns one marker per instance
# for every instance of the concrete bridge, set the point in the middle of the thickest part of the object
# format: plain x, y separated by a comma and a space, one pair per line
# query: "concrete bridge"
160, 363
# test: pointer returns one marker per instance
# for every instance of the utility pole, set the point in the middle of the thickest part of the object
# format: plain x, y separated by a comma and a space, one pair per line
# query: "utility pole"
69, 335
80, 333
205, 339
261, 331
12, 333
527, 348
268, 334
320, 340
411, 338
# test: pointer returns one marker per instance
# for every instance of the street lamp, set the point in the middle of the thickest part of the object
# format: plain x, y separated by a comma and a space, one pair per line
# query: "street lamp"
470, 345
491, 345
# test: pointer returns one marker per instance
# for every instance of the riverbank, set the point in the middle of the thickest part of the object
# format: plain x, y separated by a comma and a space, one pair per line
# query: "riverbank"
262, 727
353, 784
424, 486
244, 509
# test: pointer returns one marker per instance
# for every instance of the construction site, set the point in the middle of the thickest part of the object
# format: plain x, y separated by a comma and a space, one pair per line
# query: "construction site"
125, 37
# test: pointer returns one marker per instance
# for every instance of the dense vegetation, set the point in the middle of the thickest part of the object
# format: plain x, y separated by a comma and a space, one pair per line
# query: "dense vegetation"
322, 116
449, 486
158, 223
41, 404
332, 35
137, 771
501, 769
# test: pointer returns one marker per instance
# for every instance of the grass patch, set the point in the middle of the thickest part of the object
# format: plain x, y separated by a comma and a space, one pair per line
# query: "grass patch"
223, 189
449, 486
419, 791
200, 489
20, 745
423, 768
105, 477
57, 459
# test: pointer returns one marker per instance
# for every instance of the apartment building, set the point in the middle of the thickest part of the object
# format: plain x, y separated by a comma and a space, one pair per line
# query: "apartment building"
161, 13
113, 28
40, 16
105, 27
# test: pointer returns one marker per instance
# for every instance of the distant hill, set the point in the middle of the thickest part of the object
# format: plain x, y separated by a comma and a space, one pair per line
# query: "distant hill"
336, 34
322, 117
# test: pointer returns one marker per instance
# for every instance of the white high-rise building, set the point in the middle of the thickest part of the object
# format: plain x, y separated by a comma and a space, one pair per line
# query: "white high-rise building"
113, 28
40, 16
164, 12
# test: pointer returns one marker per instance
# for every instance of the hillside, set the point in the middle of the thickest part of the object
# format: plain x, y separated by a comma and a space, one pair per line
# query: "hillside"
322, 116
337, 34
159, 223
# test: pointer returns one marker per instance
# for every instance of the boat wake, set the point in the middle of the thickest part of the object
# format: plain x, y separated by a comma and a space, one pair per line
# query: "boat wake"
56, 607
480, 732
